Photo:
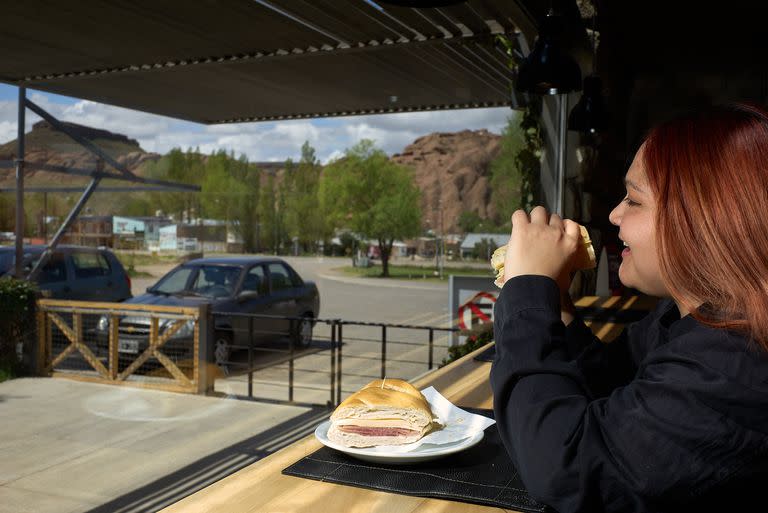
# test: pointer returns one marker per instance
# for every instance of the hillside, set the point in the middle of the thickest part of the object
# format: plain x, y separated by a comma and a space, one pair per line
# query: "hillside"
453, 172
451, 169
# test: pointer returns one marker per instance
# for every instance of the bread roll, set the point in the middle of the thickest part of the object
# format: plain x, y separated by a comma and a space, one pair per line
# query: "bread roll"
384, 412
584, 258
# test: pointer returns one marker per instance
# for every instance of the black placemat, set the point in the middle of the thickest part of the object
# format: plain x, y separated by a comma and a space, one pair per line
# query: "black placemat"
482, 474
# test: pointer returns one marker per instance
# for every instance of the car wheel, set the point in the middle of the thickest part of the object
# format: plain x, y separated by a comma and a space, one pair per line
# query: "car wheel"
222, 349
303, 337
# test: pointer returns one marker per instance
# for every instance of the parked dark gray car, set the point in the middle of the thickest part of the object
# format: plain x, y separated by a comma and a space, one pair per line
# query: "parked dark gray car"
244, 285
73, 272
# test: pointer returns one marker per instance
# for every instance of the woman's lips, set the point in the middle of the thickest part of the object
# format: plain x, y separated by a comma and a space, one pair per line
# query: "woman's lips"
626, 252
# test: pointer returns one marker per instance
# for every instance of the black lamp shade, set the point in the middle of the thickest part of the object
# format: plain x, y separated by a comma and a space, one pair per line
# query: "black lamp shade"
590, 115
548, 69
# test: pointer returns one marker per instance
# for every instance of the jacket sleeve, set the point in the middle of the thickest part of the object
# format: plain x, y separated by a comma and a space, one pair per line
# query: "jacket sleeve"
576, 452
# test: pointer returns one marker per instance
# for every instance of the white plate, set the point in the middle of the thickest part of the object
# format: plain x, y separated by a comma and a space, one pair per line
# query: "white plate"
377, 455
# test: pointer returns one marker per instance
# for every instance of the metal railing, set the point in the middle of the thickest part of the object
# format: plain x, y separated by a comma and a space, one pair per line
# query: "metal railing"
357, 352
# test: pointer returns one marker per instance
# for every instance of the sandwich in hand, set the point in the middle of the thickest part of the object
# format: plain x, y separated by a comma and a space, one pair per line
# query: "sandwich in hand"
383, 412
585, 257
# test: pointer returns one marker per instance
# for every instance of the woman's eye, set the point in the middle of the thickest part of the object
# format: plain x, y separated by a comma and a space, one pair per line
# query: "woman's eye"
630, 203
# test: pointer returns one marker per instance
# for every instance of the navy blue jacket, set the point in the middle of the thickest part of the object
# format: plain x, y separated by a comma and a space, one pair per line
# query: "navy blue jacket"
671, 416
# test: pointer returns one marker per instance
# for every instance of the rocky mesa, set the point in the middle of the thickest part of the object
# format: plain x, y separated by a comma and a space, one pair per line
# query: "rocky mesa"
453, 172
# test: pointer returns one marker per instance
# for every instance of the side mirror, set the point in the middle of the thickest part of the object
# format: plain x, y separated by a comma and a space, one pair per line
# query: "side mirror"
247, 294
149, 289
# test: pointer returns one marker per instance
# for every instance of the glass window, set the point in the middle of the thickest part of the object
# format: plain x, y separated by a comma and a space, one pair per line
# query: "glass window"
175, 281
255, 280
53, 271
279, 277
216, 280
90, 265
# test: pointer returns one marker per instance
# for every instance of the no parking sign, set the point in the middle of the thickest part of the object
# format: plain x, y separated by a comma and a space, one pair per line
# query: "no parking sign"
477, 310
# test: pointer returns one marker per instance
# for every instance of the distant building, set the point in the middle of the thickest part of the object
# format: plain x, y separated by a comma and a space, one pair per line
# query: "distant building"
472, 239
92, 231
203, 235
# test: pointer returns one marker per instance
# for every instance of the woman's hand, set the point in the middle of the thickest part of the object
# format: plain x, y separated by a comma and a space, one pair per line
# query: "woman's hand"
542, 244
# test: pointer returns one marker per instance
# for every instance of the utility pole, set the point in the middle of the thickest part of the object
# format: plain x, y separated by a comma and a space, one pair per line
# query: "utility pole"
19, 268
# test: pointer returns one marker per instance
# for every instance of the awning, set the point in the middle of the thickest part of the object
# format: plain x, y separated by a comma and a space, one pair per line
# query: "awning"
220, 61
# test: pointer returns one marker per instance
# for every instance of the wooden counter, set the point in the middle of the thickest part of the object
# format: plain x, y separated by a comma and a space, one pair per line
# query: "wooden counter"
262, 488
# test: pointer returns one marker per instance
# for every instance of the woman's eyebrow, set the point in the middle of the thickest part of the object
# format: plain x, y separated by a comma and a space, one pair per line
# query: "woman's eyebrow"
629, 184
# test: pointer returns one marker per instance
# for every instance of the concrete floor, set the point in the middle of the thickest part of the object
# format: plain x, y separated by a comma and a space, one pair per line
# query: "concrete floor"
67, 446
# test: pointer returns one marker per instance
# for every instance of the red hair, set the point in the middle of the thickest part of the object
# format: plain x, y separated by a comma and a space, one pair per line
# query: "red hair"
709, 174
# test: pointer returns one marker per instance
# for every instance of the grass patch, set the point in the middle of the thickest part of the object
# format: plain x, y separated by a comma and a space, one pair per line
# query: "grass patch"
414, 272
130, 259
133, 273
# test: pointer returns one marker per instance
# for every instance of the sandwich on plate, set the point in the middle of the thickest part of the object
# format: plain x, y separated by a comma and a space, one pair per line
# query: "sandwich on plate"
383, 412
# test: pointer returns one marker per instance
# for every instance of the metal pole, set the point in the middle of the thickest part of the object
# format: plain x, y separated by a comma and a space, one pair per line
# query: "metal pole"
383, 352
250, 357
62, 230
562, 100
339, 344
333, 403
290, 364
20, 121
431, 346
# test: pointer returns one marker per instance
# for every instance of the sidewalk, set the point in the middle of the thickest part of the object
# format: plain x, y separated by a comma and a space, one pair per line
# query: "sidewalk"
68, 446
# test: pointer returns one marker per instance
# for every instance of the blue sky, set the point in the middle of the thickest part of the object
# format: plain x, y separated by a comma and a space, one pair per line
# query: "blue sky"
264, 141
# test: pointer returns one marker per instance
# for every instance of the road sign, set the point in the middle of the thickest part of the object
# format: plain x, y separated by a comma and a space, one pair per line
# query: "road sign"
477, 310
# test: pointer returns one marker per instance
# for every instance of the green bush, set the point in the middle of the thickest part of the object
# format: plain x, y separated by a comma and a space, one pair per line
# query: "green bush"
476, 339
17, 323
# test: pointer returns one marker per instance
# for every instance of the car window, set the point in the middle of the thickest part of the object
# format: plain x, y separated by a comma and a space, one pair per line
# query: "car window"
90, 265
255, 280
279, 277
55, 270
175, 281
6, 262
216, 280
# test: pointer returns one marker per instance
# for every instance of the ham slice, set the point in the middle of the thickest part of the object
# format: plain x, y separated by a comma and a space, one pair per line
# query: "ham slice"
377, 431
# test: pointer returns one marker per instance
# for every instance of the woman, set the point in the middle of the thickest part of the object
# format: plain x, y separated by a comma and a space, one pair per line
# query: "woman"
673, 415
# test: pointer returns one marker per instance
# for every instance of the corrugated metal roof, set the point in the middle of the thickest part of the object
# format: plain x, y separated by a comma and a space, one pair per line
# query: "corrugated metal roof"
218, 61
471, 239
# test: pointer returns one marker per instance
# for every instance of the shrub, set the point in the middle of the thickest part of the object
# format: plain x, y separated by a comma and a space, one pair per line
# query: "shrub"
476, 339
17, 323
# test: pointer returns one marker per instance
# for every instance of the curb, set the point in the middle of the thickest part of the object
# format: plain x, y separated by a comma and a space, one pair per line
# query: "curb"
400, 284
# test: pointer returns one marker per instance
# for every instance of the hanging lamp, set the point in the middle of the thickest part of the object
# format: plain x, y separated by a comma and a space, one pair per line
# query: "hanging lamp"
548, 69
590, 114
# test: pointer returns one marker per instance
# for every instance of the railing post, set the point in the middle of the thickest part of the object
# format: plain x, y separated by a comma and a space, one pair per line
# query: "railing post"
113, 356
204, 341
332, 402
38, 356
383, 351
339, 345
250, 357
290, 362
431, 346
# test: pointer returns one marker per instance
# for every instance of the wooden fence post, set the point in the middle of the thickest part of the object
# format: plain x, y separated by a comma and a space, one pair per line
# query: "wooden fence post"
203, 341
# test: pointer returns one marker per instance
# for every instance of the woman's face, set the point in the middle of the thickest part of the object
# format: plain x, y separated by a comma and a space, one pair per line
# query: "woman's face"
635, 216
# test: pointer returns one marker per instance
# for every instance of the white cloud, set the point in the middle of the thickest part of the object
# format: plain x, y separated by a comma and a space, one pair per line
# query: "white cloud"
267, 141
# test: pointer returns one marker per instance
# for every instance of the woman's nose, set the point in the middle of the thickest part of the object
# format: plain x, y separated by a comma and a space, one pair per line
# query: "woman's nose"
615, 216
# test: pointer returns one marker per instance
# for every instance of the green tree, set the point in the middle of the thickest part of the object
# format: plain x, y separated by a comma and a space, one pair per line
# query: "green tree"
230, 192
371, 195
302, 203
506, 177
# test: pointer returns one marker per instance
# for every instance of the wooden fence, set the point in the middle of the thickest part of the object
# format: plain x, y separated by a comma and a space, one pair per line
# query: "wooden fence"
53, 315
